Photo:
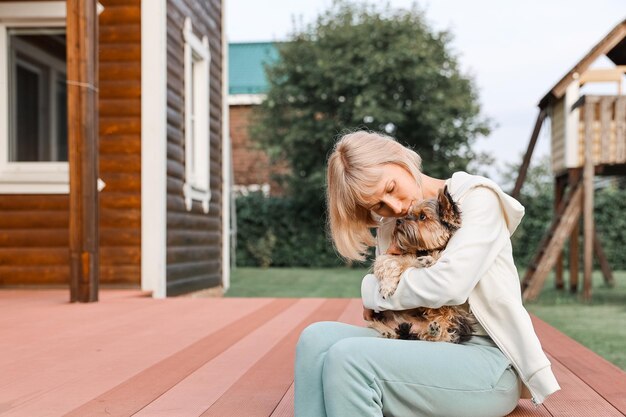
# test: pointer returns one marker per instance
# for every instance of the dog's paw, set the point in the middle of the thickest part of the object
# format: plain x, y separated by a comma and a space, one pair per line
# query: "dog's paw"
383, 263
424, 261
434, 329
387, 287
388, 269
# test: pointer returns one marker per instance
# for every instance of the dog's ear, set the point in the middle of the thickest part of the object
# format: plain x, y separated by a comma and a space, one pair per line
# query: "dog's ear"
449, 212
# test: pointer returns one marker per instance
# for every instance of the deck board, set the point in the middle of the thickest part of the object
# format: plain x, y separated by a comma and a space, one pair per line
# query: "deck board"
601, 375
274, 372
131, 355
200, 390
133, 394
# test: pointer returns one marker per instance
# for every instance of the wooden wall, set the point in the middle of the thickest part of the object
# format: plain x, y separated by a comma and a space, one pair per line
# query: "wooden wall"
120, 141
608, 120
557, 127
34, 239
34, 228
194, 239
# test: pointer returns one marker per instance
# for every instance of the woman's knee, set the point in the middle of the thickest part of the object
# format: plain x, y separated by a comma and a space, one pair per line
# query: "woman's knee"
314, 337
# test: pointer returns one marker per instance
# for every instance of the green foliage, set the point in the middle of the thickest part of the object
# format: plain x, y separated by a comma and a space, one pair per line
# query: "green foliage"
357, 67
275, 231
261, 249
537, 197
610, 206
366, 67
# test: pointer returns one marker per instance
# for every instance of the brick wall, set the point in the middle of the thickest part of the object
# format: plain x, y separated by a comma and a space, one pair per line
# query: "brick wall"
250, 165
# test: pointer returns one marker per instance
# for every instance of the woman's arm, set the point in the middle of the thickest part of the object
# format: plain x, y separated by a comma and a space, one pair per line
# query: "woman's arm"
470, 252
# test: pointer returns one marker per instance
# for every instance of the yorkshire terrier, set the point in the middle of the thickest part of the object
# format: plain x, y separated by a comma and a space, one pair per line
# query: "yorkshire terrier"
417, 241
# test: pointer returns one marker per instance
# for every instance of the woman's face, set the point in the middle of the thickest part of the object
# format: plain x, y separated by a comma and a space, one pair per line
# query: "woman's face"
395, 192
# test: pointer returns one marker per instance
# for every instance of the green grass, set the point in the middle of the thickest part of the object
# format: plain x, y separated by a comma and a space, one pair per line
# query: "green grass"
600, 324
296, 282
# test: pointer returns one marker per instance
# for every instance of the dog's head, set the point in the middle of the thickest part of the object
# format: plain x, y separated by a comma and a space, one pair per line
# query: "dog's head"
428, 226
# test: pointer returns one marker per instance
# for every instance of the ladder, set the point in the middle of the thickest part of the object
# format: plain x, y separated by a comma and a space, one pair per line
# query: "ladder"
565, 219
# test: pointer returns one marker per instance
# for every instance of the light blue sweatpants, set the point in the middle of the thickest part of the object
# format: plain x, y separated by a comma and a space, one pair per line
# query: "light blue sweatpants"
349, 371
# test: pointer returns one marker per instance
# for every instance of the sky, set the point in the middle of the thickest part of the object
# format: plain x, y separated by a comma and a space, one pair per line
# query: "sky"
515, 51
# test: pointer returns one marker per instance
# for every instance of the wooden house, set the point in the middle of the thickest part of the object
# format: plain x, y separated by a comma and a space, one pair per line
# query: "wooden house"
162, 148
586, 111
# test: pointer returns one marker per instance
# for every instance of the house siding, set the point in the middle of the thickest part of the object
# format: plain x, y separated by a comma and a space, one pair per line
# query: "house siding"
120, 141
34, 229
194, 238
34, 239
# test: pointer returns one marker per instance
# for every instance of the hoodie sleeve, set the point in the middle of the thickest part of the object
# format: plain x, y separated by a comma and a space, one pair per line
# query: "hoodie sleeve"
470, 252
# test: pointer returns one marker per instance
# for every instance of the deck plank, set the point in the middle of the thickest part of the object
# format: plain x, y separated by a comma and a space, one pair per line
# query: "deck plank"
285, 407
605, 378
132, 355
274, 372
19, 341
576, 398
59, 382
135, 393
525, 408
196, 393
352, 315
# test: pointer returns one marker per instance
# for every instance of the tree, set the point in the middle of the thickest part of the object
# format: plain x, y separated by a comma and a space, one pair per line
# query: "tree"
372, 68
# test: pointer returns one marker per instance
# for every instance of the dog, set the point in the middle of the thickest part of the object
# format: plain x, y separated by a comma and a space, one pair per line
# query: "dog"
417, 241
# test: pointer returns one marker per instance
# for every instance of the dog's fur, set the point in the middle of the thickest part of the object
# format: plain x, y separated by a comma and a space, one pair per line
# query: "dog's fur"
417, 241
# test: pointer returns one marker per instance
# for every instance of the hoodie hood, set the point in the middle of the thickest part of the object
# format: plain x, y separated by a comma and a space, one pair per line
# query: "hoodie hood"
461, 182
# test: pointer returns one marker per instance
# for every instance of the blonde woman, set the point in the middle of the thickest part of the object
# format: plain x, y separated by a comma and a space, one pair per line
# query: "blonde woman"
343, 370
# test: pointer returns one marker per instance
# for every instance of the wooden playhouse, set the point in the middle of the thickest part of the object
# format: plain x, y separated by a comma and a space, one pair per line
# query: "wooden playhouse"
588, 138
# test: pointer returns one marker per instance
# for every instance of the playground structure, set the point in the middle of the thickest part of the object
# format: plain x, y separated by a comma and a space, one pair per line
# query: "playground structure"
588, 139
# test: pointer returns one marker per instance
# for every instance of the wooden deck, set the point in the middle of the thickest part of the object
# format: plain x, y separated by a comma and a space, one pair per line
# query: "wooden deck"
132, 355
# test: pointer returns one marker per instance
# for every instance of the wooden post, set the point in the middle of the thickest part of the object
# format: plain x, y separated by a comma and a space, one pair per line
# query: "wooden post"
574, 258
521, 176
553, 243
559, 188
82, 113
574, 239
588, 174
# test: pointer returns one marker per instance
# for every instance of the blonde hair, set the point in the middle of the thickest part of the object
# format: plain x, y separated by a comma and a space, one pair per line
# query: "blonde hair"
354, 168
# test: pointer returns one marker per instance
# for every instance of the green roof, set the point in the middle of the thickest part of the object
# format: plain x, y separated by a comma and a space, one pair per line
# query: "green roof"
245, 66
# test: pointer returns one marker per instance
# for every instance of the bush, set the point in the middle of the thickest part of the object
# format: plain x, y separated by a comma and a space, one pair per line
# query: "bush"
277, 231
610, 205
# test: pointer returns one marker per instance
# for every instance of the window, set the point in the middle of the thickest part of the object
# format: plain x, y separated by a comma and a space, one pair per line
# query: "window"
37, 97
33, 99
197, 145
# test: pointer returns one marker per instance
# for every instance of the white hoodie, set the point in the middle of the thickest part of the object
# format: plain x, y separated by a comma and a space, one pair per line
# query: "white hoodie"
477, 267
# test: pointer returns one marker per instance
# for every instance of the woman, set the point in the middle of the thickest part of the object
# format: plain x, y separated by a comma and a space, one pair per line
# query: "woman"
343, 370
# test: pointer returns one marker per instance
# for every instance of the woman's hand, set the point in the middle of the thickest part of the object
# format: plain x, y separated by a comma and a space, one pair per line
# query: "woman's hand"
368, 315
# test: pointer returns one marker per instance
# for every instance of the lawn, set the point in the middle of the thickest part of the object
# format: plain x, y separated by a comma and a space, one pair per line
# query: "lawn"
599, 324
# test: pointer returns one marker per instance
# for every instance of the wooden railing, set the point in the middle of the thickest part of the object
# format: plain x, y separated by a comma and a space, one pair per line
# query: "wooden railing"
606, 116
